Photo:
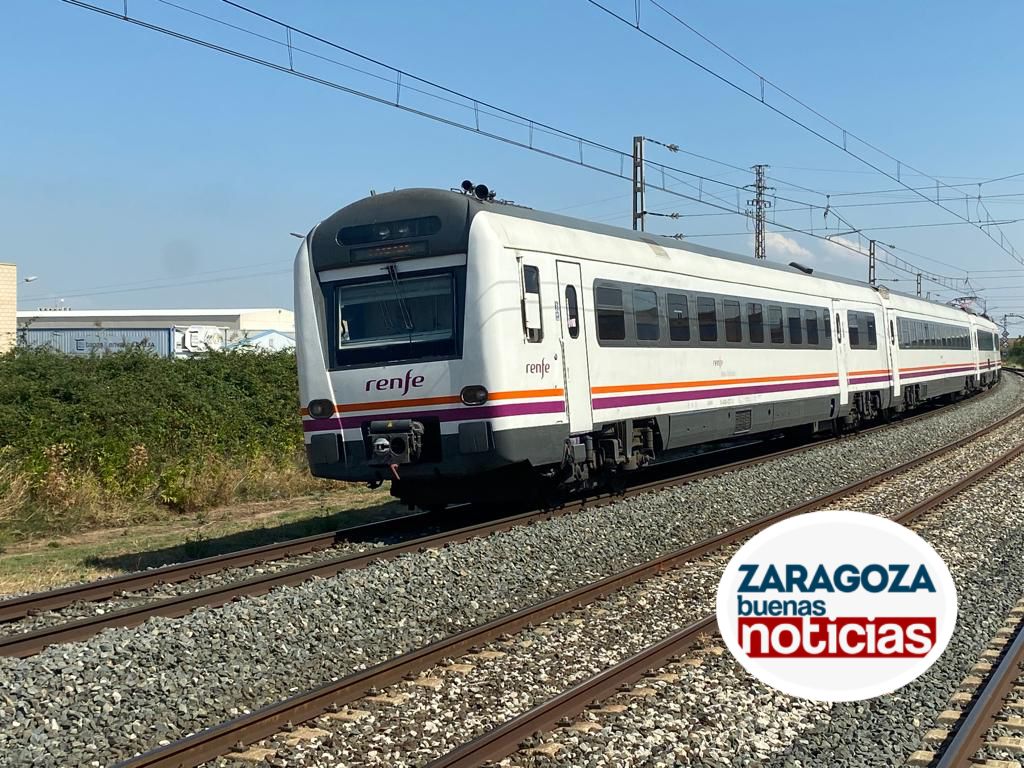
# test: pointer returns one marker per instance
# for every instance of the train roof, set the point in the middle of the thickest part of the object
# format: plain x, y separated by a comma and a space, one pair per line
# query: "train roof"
456, 211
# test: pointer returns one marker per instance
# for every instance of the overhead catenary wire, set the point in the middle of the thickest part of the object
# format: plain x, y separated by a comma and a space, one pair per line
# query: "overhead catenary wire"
580, 145
1002, 242
402, 82
872, 228
141, 289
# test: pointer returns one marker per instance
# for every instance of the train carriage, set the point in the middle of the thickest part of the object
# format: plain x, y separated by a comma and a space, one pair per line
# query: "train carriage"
462, 347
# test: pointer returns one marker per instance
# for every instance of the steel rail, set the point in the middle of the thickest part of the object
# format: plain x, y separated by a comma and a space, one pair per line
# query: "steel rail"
503, 740
208, 744
506, 738
12, 609
22, 644
18, 607
969, 736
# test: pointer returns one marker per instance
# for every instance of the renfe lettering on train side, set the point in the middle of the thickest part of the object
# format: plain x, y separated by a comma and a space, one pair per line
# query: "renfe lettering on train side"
397, 383
543, 367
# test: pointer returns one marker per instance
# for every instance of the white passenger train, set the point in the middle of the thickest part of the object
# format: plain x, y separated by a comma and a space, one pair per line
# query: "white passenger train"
462, 347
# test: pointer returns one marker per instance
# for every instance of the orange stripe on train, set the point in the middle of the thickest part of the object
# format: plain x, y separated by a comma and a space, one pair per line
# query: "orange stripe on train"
522, 394
706, 383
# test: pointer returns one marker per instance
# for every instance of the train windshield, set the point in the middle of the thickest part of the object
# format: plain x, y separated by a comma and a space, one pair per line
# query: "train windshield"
397, 318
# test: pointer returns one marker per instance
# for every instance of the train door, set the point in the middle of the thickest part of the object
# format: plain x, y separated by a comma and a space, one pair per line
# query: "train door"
842, 360
893, 345
575, 362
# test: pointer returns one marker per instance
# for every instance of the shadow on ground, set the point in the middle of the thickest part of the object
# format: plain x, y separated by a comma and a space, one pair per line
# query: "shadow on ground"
198, 546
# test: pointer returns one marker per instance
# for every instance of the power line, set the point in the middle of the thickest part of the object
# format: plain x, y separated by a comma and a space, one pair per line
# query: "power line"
400, 82
582, 149
1003, 178
882, 228
1003, 244
146, 282
231, 278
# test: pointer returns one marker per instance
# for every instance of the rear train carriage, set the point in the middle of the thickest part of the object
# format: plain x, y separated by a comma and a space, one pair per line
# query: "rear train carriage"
463, 348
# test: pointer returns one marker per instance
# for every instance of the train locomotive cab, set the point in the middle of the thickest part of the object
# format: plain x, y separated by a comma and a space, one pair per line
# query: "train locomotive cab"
402, 377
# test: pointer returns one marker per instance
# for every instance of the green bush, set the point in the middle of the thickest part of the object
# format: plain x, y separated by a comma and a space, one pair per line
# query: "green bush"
80, 437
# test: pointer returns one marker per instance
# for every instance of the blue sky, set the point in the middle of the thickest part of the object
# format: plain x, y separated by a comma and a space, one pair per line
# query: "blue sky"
142, 171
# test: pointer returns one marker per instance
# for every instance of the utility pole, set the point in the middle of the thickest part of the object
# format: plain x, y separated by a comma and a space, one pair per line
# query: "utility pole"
871, 265
760, 207
1005, 338
638, 183
918, 283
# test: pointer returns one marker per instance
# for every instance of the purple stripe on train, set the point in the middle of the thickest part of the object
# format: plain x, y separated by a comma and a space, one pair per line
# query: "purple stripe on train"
868, 379
469, 413
623, 401
939, 372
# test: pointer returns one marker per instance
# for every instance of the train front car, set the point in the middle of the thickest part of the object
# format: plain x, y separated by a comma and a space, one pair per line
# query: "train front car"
402, 378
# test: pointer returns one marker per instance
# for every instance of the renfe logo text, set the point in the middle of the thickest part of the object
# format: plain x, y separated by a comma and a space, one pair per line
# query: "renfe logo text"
542, 367
397, 383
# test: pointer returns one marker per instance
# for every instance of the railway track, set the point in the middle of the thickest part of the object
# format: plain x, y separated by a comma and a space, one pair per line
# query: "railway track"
991, 701
499, 742
505, 739
27, 643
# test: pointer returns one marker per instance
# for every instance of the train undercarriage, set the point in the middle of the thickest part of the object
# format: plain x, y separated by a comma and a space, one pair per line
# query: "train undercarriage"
604, 460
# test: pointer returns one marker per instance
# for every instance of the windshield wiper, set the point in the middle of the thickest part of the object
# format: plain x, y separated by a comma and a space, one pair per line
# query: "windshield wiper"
406, 317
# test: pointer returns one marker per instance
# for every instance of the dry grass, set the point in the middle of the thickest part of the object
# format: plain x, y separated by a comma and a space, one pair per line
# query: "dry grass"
62, 501
54, 561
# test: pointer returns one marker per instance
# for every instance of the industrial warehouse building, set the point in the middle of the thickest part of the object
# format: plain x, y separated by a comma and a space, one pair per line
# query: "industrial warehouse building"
166, 332
8, 304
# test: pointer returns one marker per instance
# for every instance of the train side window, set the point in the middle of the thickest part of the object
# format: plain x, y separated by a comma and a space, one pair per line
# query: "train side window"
572, 310
775, 327
872, 335
733, 324
853, 329
678, 317
532, 321
755, 323
795, 333
827, 318
611, 319
707, 318
811, 323
645, 315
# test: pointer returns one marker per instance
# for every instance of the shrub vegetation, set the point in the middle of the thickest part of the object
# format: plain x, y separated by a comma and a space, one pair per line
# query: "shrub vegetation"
112, 439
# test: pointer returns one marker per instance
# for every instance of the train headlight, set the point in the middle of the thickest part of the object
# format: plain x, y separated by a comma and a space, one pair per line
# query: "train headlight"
474, 395
321, 409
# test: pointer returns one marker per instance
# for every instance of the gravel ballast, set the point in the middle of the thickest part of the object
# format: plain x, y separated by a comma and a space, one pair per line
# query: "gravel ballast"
126, 690
715, 714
